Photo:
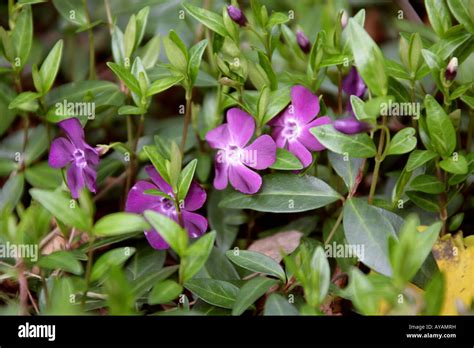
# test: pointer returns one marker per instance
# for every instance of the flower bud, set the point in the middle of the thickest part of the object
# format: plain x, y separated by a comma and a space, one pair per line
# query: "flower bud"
350, 125
452, 69
344, 19
303, 41
237, 15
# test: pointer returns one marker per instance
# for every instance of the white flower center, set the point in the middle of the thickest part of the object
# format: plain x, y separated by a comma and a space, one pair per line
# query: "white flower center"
291, 130
79, 158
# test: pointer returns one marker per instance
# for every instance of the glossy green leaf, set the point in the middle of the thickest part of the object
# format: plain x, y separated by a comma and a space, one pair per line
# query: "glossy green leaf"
210, 19
163, 84
285, 160
455, 164
50, 67
256, 262
63, 260
119, 223
126, 76
427, 183
22, 37
115, 257
463, 11
285, 193
346, 167
169, 230
404, 141
215, 292
250, 292
164, 292
440, 127
278, 305
357, 145
196, 256
419, 157
439, 15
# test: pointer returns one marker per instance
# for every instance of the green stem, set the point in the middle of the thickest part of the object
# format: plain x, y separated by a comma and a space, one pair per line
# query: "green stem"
334, 228
88, 271
92, 73
379, 158
187, 118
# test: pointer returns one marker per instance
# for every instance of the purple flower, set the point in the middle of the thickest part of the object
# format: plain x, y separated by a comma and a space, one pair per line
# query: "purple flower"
81, 157
353, 84
303, 41
350, 125
138, 201
234, 156
237, 15
291, 127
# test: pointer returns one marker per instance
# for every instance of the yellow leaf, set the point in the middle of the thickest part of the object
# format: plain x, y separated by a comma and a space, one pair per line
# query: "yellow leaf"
455, 258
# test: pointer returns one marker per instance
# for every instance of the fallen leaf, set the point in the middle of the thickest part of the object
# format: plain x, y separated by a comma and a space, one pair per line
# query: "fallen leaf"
455, 258
274, 245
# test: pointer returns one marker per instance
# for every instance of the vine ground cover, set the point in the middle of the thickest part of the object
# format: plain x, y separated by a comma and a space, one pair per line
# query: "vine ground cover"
257, 158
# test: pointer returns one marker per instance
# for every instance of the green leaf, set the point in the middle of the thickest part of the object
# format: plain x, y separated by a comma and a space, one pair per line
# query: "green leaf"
222, 220
278, 305
163, 84
285, 160
49, 68
358, 145
279, 99
432, 60
346, 167
22, 37
256, 262
185, 179
195, 56
158, 161
419, 157
285, 193
215, 292
439, 16
196, 256
455, 164
63, 260
463, 11
424, 201
115, 257
366, 226
427, 183
72, 11
368, 58
63, 208
396, 70
119, 223
176, 56
414, 52
434, 295
440, 128
468, 100
42, 176
210, 19
129, 36
164, 292
26, 101
169, 230
141, 22
11, 192
126, 76
131, 110
404, 141
358, 106
250, 292
151, 52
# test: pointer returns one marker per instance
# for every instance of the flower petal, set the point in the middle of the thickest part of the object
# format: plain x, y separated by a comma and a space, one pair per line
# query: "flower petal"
308, 139
350, 125
137, 200
244, 179
222, 175
194, 223
353, 84
92, 156
241, 126
305, 103
74, 131
60, 153
195, 198
261, 153
300, 151
162, 185
219, 137
75, 180
280, 140
90, 177
155, 240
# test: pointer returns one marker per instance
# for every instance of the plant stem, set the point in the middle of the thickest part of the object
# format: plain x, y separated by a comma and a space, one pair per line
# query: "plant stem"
187, 118
443, 213
378, 160
109, 16
334, 228
92, 73
88, 271
23, 283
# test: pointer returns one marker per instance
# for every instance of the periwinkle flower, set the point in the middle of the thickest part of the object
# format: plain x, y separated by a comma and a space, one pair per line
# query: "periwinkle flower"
237, 15
138, 201
291, 129
353, 84
303, 41
451, 69
350, 125
72, 150
234, 156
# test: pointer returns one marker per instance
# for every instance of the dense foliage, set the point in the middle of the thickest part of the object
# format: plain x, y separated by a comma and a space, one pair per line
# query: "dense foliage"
266, 158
